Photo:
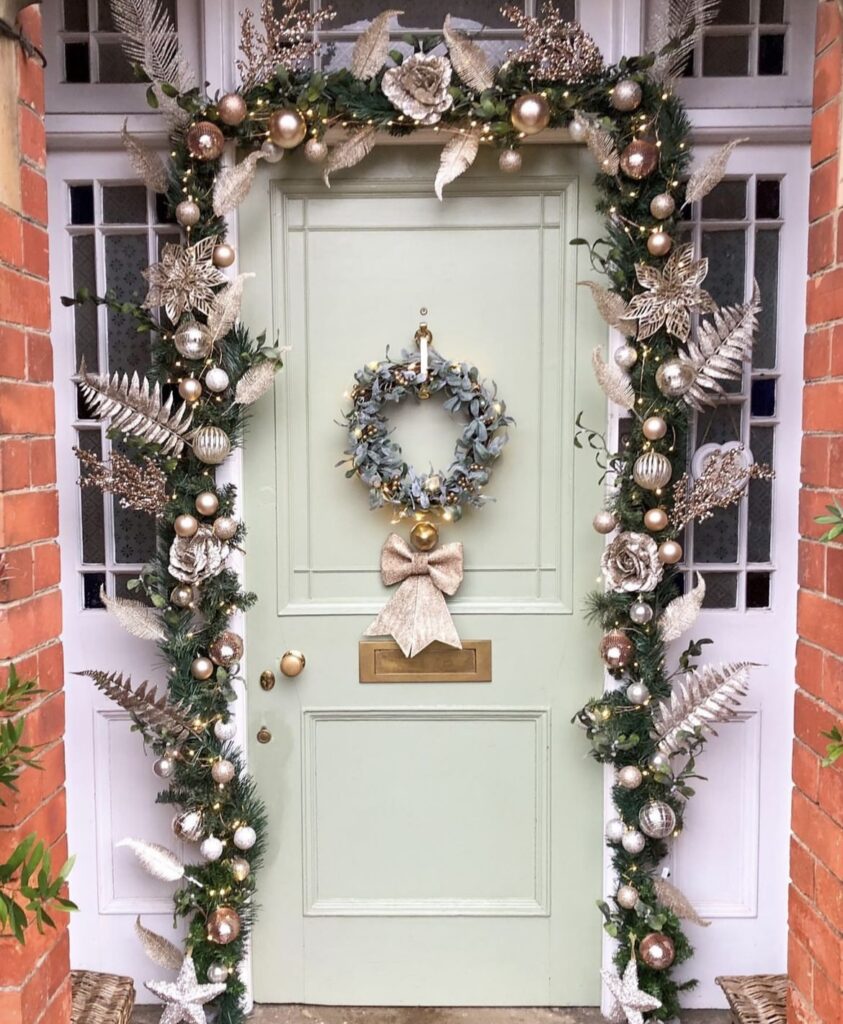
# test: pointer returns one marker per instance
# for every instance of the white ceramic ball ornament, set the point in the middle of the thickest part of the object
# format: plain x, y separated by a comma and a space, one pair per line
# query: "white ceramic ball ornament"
211, 848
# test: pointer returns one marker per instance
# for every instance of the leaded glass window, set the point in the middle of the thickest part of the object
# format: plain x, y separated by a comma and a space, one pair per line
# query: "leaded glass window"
747, 38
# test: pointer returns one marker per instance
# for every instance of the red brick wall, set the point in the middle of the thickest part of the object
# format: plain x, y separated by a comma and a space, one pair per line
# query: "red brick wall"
34, 981
816, 864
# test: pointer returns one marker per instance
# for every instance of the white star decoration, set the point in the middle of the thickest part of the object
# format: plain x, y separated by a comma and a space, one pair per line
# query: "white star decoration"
184, 997
630, 999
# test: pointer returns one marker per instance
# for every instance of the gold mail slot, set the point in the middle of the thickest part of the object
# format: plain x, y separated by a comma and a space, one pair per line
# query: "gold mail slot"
381, 661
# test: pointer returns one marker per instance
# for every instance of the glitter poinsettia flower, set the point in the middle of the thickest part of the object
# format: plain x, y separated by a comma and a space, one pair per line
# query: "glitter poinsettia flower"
184, 279
670, 295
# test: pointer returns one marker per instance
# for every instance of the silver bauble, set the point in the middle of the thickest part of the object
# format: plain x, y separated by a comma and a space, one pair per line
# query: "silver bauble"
211, 848
657, 819
188, 826
315, 150
578, 130
674, 377
164, 767
652, 471
211, 445
225, 730
659, 762
201, 668
641, 613
626, 95
604, 521
188, 213
626, 357
207, 503
630, 776
271, 153
633, 842
510, 161
217, 973
637, 693
192, 340
216, 379
240, 868
627, 896
615, 830
222, 771
662, 206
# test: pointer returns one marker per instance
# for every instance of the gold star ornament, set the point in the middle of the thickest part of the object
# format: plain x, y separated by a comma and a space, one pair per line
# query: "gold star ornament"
184, 279
670, 295
185, 998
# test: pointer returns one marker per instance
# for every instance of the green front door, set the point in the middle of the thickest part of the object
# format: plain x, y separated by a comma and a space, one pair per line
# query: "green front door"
431, 843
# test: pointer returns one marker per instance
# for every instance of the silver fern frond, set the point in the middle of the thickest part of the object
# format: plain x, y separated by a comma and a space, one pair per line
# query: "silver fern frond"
458, 154
677, 902
135, 617
613, 381
134, 407
469, 61
232, 184
682, 612
349, 152
256, 381
225, 308
675, 30
707, 696
372, 47
610, 305
155, 859
146, 163
710, 172
159, 950
600, 144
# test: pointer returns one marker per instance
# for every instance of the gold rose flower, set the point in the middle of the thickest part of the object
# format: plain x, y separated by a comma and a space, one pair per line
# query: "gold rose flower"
419, 87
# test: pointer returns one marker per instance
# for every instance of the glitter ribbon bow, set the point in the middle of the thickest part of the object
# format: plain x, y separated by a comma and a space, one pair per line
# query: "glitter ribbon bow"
417, 614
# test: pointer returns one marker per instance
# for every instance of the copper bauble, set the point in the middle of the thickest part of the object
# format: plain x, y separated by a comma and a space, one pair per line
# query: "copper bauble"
315, 150
207, 503
287, 128
188, 213
604, 522
188, 826
182, 596
616, 649
192, 340
232, 108
222, 771
654, 428
240, 868
674, 377
223, 926
190, 389
201, 668
211, 445
226, 649
223, 255
659, 243
656, 519
652, 471
510, 161
657, 819
530, 113
662, 206
205, 140
639, 159
630, 776
424, 536
657, 951
670, 552
186, 525
627, 896
225, 527
626, 95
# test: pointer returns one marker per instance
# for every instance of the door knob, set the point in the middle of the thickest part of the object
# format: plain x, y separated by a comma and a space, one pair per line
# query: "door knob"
264, 735
292, 663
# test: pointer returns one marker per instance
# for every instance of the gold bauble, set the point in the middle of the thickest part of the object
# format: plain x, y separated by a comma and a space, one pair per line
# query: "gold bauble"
205, 140
188, 213
211, 445
626, 95
655, 519
223, 255
616, 649
662, 206
424, 536
182, 596
657, 951
315, 150
674, 377
186, 525
240, 869
604, 522
226, 649
659, 243
201, 668
207, 503
652, 471
670, 552
639, 159
225, 527
192, 340
223, 926
190, 389
654, 428
530, 113
510, 161
232, 108
188, 826
287, 128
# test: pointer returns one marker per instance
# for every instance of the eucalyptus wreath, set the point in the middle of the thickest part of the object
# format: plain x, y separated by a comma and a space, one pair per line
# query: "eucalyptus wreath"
377, 459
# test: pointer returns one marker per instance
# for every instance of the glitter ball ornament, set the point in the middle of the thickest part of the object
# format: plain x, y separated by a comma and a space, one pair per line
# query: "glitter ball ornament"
659, 243
226, 648
315, 150
510, 161
240, 869
188, 826
182, 596
207, 503
674, 377
639, 159
604, 521
222, 772
641, 613
164, 767
245, 837
211, 848
656, 519
657, 819
190, 389
652, 471
217, 973
232, 108
670, 552
225, 731
216, 379
211, 445
186, 525
223, 926
662, 206
205, 140
657, 951
223, 255
637, 693
192, 340
225, 527
626, 357
630, 777
201, 668
616, 650
287, 128
271, 153
627, 897
654, 428
615, 830
626, 95
530, 113
188, 213
578, 130
633, 842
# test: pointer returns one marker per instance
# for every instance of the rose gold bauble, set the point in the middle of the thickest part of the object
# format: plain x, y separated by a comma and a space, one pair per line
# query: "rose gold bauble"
654, 428
222, 771
670, 552
626, 95
616, 649
186, 525
655, 519
604, 522
287, 128
627, 896
207, 503
223, 255
223, 926
188, 213
639, 159
225, 527
530, 113
659, 243
232, 108
662, 206
657, 951
205, 140
315, 150
510, 161
226, 649
201, 668
190, 389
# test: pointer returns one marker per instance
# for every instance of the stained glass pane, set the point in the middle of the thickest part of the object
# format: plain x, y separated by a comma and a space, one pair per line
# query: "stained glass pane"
85, 314
725, 56
726, 252
124, 204
727, 201
767, 276
125, 258
760, 498
91, 503
771, 54
721, 589
716, 539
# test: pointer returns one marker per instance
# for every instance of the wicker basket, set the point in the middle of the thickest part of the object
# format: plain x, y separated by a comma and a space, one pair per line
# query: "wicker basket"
756, 998
101, 998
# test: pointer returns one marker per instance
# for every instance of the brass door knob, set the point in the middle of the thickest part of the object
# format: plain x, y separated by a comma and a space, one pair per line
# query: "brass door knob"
267, 679
264, 735
292, 663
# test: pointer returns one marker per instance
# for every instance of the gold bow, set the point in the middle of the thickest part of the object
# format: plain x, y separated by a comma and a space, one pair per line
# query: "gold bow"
417, 614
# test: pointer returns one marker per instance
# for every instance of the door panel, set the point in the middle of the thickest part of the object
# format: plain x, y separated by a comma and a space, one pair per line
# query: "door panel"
431, 843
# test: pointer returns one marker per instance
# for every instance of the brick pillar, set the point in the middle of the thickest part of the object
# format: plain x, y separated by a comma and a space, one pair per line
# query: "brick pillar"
816, 865
34, 979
